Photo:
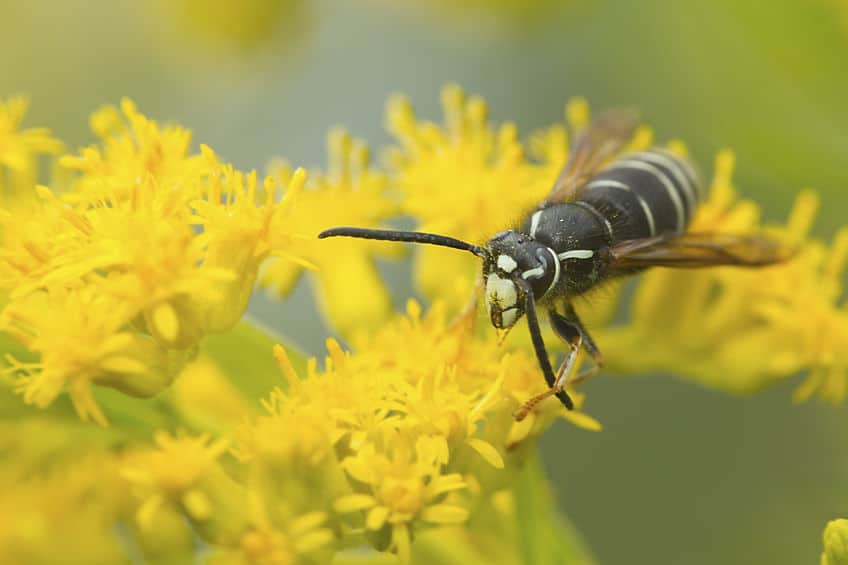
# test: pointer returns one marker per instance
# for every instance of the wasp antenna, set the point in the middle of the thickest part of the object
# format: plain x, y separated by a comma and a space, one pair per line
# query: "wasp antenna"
405, 236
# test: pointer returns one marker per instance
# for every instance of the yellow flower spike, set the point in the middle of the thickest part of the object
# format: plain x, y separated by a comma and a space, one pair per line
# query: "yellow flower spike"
165, 322
131, 155
69, 509
287, 369
236, 216
835, 541
477, 171
803, 214
678, 147
308, 533
184, 471
80, 338
19, 150
107, 122
351, 193
577, 114
197, 504
642, 140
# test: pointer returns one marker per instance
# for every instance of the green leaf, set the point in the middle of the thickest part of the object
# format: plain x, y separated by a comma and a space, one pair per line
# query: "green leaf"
245, 355
545, 536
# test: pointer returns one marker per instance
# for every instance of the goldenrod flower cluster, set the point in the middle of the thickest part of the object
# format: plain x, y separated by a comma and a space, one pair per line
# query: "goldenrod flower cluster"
123, 279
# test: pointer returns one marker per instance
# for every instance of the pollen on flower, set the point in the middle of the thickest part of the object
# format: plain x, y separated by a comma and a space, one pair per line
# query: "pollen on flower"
163, 243
397, 431
82, 339
405, 431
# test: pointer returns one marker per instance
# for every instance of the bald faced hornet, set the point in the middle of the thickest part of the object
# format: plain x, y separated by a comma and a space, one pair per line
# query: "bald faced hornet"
608, 215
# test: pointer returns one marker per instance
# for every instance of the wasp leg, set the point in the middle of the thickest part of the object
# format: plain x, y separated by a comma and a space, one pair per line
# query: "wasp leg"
468, 313
571, 335
544, 362
566, 327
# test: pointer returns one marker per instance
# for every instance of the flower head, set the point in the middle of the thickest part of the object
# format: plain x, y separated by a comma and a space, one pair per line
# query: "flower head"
835, 540
82, 338
350, 193
19, 149
115, 279
465, 179
183, 471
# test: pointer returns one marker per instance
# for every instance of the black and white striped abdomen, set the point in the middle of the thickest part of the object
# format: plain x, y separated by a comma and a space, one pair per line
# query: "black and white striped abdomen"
644, 194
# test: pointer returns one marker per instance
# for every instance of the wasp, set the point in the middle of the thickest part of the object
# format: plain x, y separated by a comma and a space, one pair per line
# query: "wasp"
608, 215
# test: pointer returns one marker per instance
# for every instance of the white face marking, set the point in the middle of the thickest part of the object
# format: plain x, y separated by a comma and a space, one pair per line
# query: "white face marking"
576, 254
533, 273
500, 292
506, 263
508, 317
534, 223
556, 271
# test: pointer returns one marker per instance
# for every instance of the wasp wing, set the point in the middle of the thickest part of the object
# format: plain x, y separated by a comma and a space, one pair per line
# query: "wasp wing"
694, 250
602, 139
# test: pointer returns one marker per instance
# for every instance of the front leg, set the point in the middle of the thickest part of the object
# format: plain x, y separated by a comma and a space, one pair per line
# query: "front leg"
572, 331
544, 363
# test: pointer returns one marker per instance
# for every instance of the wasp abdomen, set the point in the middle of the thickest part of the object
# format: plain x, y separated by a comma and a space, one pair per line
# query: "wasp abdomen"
644, 194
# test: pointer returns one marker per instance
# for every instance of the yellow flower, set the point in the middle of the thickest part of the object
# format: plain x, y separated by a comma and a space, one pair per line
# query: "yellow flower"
403, 483
70, 512
135, 151
267, 543
348, 287
240, 232
835, 541
465, 179
745, 327
419, 410
82, 338
183, 472
19, 149
114, 279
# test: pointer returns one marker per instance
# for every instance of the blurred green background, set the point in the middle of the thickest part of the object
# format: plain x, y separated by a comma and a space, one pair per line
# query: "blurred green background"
680, 474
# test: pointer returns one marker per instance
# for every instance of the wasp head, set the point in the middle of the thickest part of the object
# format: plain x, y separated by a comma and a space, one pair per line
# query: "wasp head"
516, 264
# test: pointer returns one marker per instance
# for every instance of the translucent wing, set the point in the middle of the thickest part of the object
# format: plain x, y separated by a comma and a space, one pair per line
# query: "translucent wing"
601, 140
694, 250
